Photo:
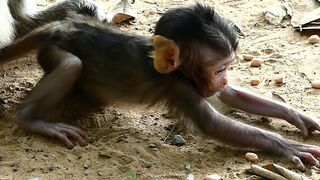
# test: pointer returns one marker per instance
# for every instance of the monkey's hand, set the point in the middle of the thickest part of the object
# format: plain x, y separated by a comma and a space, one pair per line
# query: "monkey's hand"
305, 123
64, 132
296, 152
257, 105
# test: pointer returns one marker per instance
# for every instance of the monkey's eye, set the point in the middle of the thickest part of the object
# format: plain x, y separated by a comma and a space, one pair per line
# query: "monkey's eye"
221, 70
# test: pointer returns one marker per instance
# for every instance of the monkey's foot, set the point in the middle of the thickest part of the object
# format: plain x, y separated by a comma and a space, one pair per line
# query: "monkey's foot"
64, 132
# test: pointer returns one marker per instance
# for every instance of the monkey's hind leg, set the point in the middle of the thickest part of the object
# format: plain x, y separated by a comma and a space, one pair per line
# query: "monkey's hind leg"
61, 72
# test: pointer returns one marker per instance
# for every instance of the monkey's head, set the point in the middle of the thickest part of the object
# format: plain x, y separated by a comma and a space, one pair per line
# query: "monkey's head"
197, 41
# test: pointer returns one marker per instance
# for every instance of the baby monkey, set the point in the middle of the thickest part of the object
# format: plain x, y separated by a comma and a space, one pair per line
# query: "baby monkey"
183, 63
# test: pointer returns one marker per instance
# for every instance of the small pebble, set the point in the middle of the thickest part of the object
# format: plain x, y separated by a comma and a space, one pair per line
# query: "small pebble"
247, 57
30, 169
51, 168
212, 177
266, 120
256, 63
251, 156
105, 154
314, 39
255, 82
86, 166
187, 167
279, 80
15, 167
153, 11
152, 146
315, 84
275, 13
178, 140
147, 165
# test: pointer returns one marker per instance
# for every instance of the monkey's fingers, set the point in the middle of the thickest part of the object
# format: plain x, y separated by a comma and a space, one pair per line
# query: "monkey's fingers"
301, 125
308, 124
67, 134
78, 130
314, 150
307, 157
64, 139
316, 126
298, 163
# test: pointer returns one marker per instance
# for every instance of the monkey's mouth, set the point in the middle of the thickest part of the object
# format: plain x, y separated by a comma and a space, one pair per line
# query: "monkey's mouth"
207, 90
208, 93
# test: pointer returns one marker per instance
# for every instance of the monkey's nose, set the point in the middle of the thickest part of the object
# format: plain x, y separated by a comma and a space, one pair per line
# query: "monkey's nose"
224, 86
225, 83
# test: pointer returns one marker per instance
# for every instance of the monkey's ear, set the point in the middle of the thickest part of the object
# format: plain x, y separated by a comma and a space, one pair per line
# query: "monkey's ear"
166, 54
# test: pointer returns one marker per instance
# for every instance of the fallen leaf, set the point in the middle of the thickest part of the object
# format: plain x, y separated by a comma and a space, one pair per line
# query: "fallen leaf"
284, 172
262, 172
123, 11
306, 16
274, 96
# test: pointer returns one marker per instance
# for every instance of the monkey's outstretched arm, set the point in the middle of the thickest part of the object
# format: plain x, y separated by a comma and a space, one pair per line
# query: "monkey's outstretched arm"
238, 134
258, 105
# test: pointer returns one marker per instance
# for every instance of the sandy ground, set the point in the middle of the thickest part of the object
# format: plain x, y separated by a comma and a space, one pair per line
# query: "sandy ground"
122, 136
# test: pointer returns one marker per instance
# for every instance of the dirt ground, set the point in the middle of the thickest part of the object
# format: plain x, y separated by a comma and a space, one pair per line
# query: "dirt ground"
133, 141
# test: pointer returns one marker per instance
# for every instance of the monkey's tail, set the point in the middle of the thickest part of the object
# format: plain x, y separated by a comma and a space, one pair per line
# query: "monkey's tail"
27, 43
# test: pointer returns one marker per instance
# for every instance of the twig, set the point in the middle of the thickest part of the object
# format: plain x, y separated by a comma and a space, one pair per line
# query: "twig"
165, 139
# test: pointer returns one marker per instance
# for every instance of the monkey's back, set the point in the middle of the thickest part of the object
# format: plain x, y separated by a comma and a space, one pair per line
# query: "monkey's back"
116, 65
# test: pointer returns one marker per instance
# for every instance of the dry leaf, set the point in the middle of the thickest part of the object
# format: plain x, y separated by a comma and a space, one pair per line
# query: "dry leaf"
260, 171
238, 28
306, 16
276, 172
277, 97
284, 172
274, 96
123, 11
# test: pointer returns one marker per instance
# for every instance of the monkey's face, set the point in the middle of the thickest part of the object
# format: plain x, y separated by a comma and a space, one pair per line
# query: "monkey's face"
204, 65
213, 76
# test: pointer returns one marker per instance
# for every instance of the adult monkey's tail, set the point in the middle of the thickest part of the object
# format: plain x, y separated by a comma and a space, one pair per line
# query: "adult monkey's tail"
27, 43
